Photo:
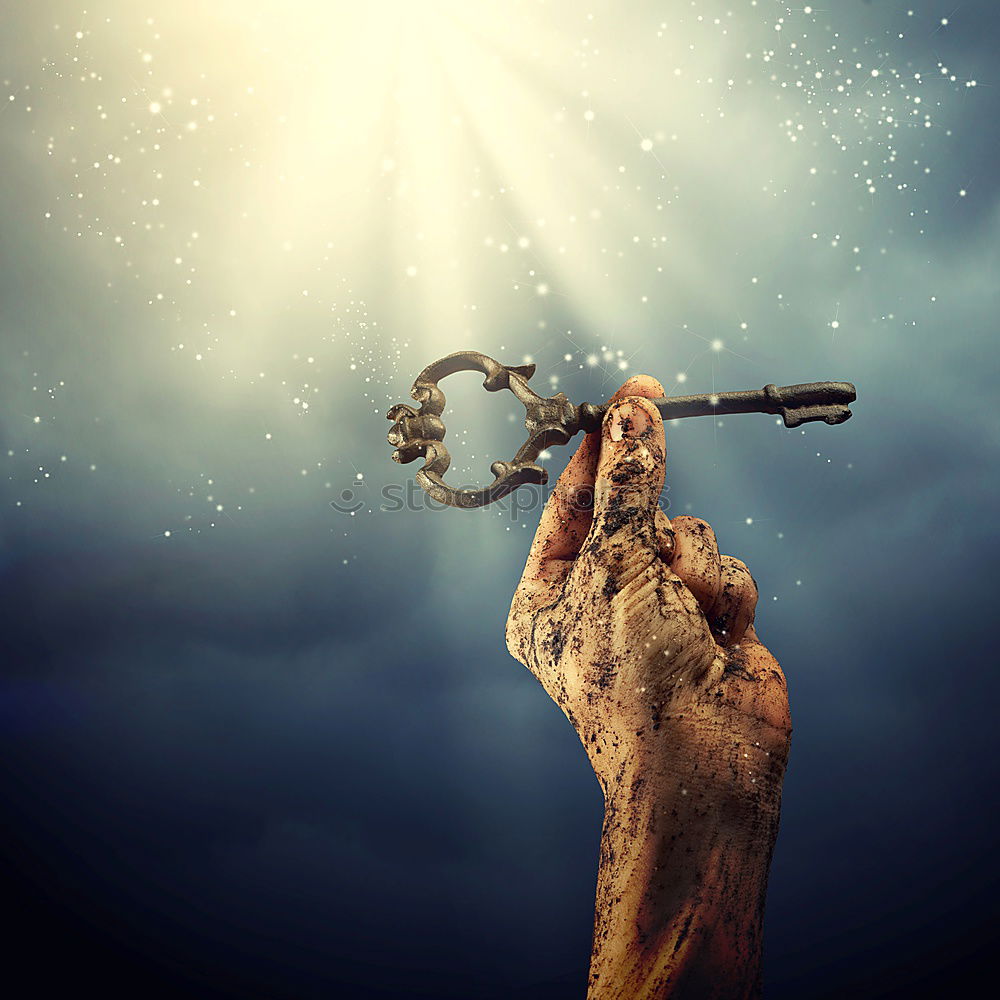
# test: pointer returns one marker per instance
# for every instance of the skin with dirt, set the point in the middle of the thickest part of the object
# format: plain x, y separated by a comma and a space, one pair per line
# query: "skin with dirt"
643, 635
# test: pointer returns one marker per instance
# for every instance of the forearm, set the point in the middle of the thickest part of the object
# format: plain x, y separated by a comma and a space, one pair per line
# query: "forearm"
685, 855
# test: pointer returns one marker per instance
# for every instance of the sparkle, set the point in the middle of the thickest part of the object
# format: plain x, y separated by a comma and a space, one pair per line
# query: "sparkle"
449, 217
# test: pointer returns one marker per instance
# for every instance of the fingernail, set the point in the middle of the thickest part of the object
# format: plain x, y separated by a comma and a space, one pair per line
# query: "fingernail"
628, 421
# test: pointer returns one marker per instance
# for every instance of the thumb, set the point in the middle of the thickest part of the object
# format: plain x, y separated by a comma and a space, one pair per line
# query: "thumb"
630, 474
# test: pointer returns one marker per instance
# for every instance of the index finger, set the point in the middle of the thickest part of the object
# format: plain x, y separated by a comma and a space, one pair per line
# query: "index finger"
568, 514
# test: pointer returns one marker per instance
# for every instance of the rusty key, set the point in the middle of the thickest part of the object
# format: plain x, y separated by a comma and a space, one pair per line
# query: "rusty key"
554, 420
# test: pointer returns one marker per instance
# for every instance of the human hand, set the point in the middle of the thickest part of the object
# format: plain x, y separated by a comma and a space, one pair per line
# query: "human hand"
643, 635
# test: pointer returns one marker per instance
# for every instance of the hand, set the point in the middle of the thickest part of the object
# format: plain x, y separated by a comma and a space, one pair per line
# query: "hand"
643, 635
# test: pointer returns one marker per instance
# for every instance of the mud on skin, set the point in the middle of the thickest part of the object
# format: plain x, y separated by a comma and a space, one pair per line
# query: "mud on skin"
643, 634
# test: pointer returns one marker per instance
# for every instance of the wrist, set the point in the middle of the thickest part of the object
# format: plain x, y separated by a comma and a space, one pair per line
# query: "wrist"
717, 768
690, 824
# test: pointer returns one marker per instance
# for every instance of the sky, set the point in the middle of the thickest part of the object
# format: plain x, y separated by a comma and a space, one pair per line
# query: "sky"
260, 735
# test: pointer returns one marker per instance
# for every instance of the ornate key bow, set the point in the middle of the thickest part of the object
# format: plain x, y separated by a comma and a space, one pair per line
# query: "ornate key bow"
554, 420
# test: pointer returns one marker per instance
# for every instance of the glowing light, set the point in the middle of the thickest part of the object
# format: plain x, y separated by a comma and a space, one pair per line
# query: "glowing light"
436, 156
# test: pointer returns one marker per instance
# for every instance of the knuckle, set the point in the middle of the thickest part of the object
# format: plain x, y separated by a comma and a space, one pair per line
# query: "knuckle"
618, 557
630, 574
696, 529
689, 521
738, 571
637, 594
735, 565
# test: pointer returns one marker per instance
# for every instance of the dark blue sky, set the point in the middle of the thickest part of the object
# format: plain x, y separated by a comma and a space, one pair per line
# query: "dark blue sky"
253, 747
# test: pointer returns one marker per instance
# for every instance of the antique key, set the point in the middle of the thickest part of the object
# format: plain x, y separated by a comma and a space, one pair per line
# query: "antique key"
554, 420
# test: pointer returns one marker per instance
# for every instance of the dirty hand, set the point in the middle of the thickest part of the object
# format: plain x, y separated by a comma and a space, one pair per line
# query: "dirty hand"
643, 635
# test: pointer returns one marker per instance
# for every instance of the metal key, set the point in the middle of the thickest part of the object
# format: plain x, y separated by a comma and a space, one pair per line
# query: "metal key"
555, 420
